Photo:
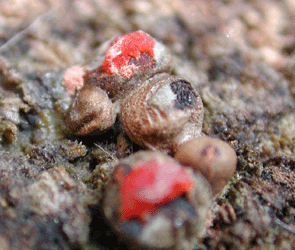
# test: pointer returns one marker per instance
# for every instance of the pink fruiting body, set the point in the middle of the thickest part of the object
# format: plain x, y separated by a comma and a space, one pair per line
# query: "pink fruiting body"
151, 185
73, 79
123, 49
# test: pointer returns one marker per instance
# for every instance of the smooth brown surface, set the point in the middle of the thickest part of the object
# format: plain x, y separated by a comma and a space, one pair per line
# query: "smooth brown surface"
92, 111
215, 159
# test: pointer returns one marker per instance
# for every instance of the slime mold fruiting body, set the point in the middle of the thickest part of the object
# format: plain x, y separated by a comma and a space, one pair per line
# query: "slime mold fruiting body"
162, 114
155, 203
215, 159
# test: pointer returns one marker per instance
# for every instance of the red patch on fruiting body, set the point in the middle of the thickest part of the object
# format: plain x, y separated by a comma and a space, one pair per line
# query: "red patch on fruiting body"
151, 185
123, 49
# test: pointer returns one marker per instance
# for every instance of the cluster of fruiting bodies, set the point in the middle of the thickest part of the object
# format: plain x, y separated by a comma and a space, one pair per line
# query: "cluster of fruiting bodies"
152, 197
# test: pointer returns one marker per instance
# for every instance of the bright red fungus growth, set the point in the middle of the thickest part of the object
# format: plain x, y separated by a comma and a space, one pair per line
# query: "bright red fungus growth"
150, 185
123, 49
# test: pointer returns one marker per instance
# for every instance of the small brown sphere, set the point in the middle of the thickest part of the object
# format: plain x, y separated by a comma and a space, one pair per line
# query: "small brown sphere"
91, 112
214, 158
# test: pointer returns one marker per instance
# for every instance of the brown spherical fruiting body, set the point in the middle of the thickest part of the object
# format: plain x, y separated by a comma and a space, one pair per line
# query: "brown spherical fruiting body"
214, 158
164, 112
91, 111
176, 224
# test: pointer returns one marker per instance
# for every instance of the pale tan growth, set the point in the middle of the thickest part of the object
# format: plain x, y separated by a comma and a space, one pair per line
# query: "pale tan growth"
214, 158
91, 112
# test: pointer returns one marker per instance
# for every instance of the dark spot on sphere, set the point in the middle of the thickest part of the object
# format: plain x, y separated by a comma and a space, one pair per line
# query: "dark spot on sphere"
210, 150
186, 95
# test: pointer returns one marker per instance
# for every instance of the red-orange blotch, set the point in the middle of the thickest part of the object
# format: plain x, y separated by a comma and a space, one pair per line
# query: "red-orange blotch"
124, 48
151, 185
